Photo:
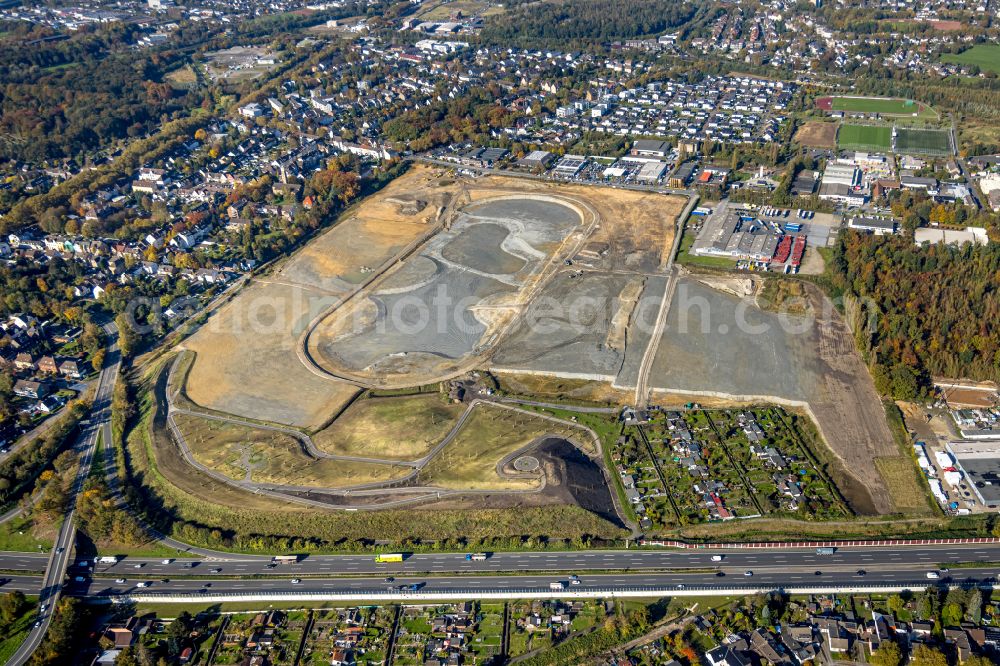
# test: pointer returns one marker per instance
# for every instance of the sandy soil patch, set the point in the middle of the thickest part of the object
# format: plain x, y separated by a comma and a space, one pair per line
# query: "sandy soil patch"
817, 134
967, 394
246, 362
636, 230
450, 300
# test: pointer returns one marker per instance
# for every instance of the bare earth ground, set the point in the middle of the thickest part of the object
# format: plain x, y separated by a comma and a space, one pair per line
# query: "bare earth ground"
965, 394
817, 135
718, 344
247, 364
503, 237
399, 428
196, 497
606, 299
636, 230
551, 387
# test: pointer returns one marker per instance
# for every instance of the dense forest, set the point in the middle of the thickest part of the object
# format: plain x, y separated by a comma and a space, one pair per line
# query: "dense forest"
576, 24
60, 99
922, 312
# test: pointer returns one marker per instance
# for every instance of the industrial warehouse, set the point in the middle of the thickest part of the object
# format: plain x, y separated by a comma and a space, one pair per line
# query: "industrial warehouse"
768, 239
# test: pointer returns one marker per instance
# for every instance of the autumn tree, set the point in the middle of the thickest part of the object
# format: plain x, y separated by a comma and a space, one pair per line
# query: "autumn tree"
888, 654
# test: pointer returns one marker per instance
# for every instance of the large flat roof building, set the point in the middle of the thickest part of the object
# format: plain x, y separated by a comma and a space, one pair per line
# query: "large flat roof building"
842, 174
736, 233
980, 463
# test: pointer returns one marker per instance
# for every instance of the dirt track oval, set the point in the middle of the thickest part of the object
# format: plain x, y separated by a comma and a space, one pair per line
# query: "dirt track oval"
446, 303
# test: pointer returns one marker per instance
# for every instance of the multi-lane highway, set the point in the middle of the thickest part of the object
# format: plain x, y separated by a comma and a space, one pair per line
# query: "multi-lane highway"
634, 560
517, 572
51, 583
724, 577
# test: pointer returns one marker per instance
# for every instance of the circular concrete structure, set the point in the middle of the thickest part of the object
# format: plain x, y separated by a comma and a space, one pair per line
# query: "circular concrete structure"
526, 464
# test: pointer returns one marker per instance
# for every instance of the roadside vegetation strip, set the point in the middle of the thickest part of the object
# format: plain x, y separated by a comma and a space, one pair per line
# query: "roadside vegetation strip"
18, 628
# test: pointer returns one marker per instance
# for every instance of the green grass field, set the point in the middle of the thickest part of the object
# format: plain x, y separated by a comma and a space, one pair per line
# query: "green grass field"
864, 137
986, 56
933, 142
884, 106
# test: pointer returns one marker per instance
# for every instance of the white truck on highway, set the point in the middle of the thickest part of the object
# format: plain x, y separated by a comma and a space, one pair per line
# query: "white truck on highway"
557, 586
106, 559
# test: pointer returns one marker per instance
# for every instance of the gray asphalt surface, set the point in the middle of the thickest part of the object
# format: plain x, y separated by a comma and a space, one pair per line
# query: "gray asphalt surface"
560, 562
772, 576
50, 587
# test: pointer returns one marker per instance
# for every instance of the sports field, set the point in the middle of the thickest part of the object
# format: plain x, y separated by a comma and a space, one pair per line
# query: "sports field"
930, 142
882, 105
986, 56
864, 137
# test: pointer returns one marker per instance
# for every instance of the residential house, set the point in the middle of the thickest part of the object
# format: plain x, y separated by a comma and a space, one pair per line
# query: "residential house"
29, 388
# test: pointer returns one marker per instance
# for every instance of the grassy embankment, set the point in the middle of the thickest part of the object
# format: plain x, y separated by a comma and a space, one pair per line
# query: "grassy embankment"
198, 509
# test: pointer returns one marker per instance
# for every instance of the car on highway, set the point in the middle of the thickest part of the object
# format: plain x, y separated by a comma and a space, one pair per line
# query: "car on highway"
143, 584
216, 570
120, 580
680, 586
80, 579
944, 570
933, 575
861, 572
388, 579
60, 549
38, 623
296, 581
166, 561
718, 558
138, 565
720, 574
817, 573
272, 565
747, 573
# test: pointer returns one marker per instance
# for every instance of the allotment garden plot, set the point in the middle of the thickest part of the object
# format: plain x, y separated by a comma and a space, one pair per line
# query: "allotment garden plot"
694, 466
720, 345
